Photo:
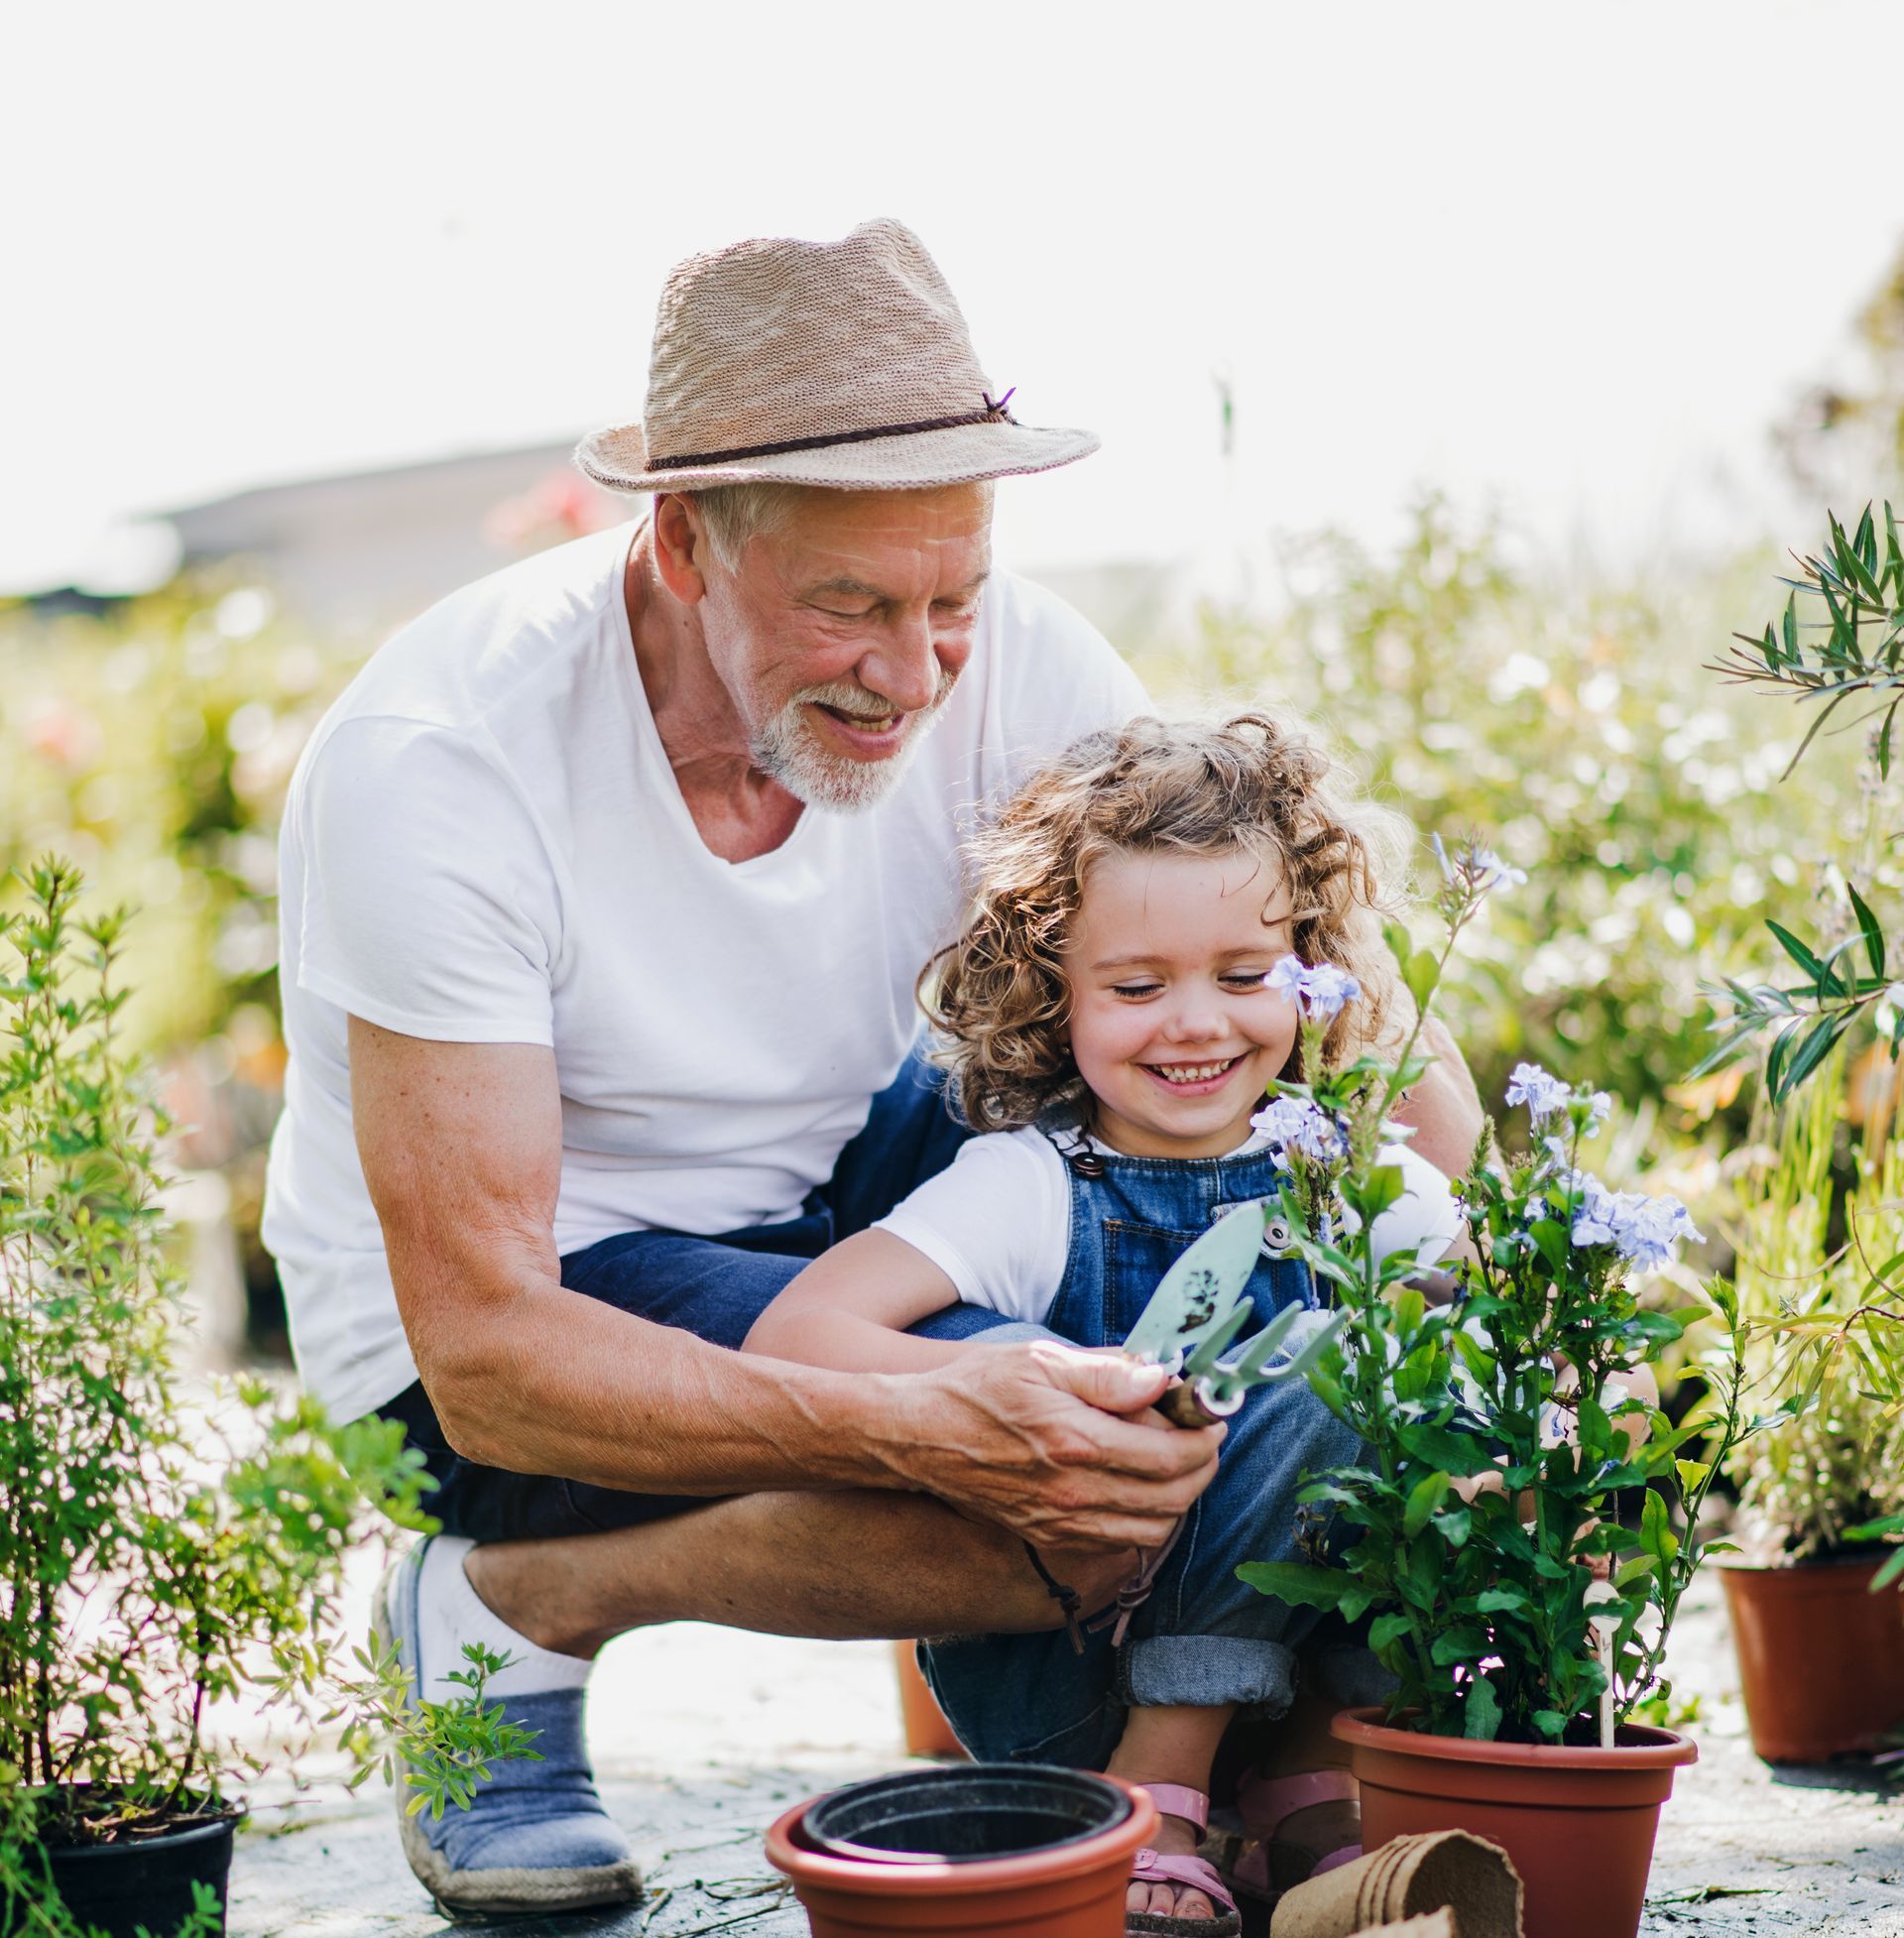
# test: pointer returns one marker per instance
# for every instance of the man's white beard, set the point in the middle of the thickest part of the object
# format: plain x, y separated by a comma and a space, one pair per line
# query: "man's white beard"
785, 748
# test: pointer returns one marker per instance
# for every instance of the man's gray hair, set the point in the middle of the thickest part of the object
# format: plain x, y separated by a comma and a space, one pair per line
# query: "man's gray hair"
731, 515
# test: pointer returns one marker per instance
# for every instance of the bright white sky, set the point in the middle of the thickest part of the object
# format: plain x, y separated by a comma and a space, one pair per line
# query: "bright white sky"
1572, 257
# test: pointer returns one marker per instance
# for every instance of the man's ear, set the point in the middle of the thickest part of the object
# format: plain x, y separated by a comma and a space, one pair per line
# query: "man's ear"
681, 544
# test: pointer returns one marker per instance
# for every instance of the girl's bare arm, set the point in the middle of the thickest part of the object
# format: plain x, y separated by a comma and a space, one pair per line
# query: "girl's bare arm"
850, 1308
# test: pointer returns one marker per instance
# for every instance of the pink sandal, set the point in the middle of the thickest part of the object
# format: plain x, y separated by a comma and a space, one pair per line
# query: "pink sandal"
1271, 1864
1197, 1874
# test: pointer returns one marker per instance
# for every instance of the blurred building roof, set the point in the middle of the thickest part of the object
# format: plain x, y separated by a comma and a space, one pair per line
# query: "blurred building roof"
369, 550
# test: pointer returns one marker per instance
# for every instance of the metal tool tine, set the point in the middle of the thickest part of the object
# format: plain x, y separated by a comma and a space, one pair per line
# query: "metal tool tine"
1233, 1318
1255, 1355
1310, 1350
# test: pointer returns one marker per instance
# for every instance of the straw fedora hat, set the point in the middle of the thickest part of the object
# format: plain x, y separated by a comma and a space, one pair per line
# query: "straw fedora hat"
843, 364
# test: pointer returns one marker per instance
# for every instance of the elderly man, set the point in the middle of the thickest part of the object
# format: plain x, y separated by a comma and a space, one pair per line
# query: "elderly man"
605, 888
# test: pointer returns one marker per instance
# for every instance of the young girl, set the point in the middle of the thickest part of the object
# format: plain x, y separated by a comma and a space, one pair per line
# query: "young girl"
1111, 1026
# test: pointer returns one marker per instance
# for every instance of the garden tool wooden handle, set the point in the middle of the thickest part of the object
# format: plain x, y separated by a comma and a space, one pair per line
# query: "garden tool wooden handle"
1182, 1406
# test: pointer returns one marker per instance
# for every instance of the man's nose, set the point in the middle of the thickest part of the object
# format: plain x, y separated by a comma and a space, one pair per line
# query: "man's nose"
911, 663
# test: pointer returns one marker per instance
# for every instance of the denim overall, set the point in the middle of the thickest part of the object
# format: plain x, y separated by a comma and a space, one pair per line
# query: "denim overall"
1201, 1636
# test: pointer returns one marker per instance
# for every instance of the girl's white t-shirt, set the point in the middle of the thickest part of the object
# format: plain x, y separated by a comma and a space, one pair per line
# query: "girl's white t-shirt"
484, 843
996, 1221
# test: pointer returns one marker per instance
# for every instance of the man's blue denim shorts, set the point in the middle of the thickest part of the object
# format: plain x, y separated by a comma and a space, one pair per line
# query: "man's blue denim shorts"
715, 1288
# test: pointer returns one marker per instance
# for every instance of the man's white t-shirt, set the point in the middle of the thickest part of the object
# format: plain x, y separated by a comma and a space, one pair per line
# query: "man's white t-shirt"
484, 843
996, 1221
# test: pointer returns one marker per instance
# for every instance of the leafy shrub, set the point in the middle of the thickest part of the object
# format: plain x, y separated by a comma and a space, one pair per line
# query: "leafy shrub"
156, 1554
1577, 726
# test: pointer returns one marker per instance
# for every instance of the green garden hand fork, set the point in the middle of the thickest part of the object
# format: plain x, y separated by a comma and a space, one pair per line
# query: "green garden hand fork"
1199, 1308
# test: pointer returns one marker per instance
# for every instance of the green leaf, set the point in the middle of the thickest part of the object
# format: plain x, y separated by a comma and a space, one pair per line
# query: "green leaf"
1481, 1713
1502, 1601
1452, 1453
1455, 1525
1296, 1583
1385, 1630
1873, 934
1822, 977
1692, 1472
1463, 1643
1656, 1534
1424, 1498
1550, 1723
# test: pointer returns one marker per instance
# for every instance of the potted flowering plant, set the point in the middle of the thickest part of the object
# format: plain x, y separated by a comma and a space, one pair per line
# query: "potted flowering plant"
158, 1555
1507, 1413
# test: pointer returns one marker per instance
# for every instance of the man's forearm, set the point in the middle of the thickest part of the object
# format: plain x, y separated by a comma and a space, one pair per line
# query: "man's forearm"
556, 1383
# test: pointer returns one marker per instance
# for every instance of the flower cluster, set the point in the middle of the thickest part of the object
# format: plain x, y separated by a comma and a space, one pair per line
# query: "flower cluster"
1640, 1228
1476, 869
1295, 1124
1546, 1096
1321, 989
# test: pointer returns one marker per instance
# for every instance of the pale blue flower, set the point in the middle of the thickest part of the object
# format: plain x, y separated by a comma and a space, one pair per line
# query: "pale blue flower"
1653, 1228
1640, 1228
1491, 872
1597, 1218
1295, 1124
1545, 1096
1321, 988
1286, 977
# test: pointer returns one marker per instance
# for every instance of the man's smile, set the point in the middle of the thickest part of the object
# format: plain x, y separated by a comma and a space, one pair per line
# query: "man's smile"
870, 736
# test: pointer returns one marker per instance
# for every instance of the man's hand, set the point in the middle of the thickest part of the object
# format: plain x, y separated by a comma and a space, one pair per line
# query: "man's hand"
1055, 1444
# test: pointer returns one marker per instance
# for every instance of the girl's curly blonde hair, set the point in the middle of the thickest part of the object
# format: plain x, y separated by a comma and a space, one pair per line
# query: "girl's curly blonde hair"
998, 994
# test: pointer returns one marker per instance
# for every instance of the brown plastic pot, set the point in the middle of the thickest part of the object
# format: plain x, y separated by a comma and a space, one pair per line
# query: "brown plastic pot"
1821, 1657
927, 1731
1578, 1824
1072, 1889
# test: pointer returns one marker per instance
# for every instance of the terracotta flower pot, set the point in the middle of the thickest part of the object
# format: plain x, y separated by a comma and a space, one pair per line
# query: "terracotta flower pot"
1821, 1657
1578, 1824
927, 1731
1072, 1886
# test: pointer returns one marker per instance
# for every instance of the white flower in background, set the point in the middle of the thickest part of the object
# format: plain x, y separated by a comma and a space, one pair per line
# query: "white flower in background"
1591, 1108
1474, 870
1545, 1096
1492, 871
1321, 988
1295, 1124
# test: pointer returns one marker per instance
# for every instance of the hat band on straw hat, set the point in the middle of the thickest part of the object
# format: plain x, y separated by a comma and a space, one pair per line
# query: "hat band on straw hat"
694, 460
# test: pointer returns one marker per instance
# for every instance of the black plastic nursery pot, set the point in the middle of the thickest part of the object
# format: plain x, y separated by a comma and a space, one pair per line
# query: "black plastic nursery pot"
145, 1879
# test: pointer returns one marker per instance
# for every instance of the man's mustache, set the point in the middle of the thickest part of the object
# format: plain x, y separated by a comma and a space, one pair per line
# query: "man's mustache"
849, 698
